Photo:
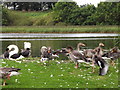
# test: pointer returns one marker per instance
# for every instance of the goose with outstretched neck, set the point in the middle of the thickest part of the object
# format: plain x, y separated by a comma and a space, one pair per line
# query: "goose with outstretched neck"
79, 45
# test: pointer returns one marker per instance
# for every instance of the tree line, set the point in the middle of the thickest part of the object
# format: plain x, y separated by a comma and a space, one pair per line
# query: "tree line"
30, 6
106, 13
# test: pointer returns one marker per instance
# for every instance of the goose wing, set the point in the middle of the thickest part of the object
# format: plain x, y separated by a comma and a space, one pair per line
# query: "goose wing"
103, 71
9, 69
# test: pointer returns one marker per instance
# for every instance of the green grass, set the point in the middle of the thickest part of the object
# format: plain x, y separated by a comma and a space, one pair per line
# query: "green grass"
60, 29
55, 75
32, 13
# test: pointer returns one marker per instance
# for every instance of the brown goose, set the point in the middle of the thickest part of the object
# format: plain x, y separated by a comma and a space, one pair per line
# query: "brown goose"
75, 55
99, 50
113, 54
89, 53
79, 45
6, 73
47, 53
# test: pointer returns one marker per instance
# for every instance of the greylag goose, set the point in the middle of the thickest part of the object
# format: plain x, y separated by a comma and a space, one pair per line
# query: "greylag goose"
75, 55
47, 53
113, 54
79, 45
6, 73
99, 50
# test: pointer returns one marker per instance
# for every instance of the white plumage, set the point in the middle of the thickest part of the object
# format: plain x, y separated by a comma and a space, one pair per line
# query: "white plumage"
27, 45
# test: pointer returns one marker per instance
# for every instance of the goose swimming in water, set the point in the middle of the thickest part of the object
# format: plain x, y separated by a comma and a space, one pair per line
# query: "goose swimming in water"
6, 73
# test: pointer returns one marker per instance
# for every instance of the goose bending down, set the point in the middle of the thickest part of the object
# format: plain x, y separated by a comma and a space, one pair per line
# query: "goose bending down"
113, 54
47, 53
13, 54
75, 55
103, 65
27, 51
6, 73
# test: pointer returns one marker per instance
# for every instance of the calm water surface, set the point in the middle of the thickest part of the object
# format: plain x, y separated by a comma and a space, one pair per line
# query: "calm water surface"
57, 41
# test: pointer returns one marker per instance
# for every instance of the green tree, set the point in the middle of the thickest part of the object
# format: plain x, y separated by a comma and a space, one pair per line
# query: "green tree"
5, 17
63, 11
107, 13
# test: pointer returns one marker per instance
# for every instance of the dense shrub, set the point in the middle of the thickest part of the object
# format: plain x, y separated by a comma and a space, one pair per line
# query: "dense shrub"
66, 13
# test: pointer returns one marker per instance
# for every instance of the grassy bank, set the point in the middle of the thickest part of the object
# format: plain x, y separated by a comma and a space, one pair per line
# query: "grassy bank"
59, 74
60, 29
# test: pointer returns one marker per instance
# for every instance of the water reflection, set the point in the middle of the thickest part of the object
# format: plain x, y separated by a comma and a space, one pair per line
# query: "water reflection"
29, 35
57, 41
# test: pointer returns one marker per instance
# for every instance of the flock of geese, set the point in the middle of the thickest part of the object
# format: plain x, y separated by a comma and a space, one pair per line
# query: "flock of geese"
96, 56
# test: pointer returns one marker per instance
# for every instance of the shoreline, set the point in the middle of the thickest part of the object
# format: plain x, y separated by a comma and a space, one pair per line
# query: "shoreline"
60, 29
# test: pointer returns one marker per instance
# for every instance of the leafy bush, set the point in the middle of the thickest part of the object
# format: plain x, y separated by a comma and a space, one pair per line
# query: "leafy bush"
5, 17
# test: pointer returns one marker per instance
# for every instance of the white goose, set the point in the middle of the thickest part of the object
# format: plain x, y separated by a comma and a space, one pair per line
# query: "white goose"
27, 51
13, 54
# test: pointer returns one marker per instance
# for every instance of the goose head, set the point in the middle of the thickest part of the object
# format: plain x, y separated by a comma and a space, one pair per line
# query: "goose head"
49, 50
81, 44
69, 49
101, 45
115, 50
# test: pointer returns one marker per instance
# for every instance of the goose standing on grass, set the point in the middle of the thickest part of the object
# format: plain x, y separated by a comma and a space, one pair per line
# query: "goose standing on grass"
47, 53
27, 51
75, 56
103, 65
13, 54
6, 73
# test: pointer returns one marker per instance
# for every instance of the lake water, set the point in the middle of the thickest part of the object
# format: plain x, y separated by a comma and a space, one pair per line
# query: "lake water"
57, 41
